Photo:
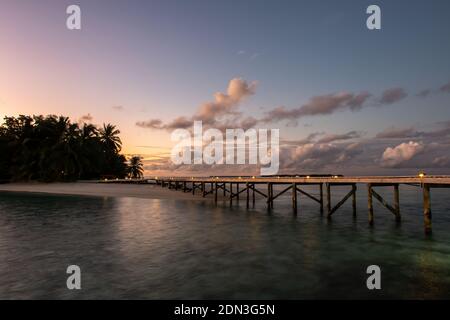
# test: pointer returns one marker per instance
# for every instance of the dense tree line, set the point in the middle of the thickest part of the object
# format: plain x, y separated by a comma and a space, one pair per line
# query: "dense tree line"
52, 148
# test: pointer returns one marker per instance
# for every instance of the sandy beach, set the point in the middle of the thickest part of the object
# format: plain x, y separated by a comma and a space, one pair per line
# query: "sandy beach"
100, 189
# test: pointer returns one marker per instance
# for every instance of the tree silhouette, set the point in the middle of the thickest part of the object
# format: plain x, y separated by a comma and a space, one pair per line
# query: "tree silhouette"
53, 148
136, 167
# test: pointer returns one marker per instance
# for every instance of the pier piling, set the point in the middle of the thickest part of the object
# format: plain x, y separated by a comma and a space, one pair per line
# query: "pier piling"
427, 209
294, 197
370, 203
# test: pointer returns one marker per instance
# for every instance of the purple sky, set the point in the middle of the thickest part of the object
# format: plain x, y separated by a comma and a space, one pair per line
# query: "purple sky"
346, 99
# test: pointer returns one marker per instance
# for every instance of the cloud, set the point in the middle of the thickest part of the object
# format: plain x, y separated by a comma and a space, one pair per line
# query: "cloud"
424, 93
151, 124
395, 133
441, 162
445, 88
255, 55
320, 105
219, 113
393, 157
86, 118
393, 95
313, 138
225, 103
339, 137
428, 92
319, 156
331, 103
309, 139
440, 133
118, 108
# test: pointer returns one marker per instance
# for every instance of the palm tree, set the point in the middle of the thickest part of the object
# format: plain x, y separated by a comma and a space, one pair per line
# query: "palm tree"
109, 137
52, 148
136, 167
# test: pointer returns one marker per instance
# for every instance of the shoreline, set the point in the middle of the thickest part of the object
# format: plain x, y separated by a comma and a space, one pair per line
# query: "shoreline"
145, 191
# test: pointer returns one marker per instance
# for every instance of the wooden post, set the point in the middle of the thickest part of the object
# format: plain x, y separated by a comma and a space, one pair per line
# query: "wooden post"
237, 190
398, 217
184, 186
321, 197
248, 194
427, 208
253, 194
294, 198
269, 195
354, 200
193, 187
328, 199
203, 188
215, 193
224, 189
370, 203
231, 193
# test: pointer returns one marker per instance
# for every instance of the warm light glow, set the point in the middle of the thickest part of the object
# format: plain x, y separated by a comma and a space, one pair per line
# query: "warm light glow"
253, 177
307, 177
421, 174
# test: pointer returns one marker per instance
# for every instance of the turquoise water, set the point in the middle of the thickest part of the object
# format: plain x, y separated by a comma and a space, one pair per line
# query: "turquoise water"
166, 249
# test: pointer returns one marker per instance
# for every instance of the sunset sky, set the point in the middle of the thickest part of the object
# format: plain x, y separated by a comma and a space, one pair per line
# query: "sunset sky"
346, 99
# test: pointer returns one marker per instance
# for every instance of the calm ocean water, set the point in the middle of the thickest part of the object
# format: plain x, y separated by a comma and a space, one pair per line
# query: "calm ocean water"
166, 249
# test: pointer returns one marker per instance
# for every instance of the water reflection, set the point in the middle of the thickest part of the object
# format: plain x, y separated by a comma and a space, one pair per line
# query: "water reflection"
141, 248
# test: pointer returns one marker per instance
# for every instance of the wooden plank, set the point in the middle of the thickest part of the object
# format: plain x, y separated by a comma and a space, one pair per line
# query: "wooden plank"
308, 195
281, 193
384, 202
340, 203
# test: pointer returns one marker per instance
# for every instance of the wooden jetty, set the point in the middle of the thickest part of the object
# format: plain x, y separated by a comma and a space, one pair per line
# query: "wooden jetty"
233, 188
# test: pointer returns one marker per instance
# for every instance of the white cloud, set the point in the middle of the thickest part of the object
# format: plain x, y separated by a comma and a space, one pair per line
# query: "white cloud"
393, 157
